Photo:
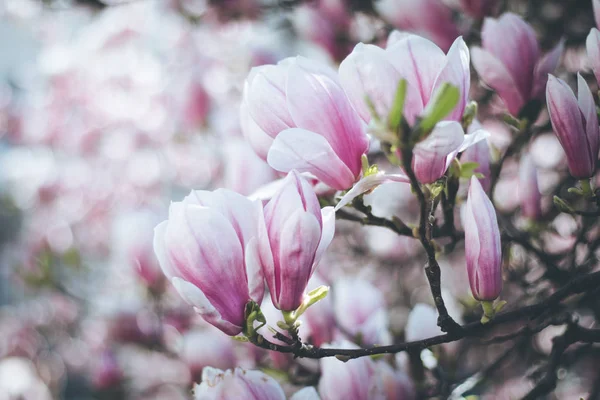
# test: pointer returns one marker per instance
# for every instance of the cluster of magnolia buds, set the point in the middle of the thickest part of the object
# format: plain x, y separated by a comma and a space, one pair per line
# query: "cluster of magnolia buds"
310, 121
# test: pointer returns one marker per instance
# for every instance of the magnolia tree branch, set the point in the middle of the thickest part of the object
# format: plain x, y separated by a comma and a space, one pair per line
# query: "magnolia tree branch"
550, 305
432, 268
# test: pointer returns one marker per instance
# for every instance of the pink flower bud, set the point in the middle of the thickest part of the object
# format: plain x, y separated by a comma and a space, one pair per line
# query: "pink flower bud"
362, 372
592, 45
529, 191
237, 384
575, 123
294, 236
297, 116
360, 309
208, 250
429, 18
510, 61
374, 72
482, 244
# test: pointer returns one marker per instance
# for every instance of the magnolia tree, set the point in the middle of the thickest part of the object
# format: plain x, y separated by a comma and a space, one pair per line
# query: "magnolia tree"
393, 200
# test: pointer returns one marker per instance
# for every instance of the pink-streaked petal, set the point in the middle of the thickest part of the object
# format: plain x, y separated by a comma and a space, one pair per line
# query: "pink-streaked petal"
567, 121
419, 61
256, 283
265, 252
306, 151
265, 98
495, 75
596, 6
318, 103
194, 296
546, 65
367, 73
299, 241
457, 72
588, 109
237, 209
327, 232
204, 249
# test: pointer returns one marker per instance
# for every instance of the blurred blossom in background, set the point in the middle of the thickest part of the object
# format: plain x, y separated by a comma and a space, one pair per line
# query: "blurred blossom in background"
111, 109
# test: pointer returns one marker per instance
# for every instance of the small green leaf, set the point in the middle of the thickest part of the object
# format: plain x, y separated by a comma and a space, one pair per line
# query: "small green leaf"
395, 116
443, 102
467, 169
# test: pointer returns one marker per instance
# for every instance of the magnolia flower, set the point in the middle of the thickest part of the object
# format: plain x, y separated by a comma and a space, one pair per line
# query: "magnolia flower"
237, 384
510, 61
362, 372
430, 18
208, 250
360, 309
293, 237
482, 244
296, 115
375, 72
575, 123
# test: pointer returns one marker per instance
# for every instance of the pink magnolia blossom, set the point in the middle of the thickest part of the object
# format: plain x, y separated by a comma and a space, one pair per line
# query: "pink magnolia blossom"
360, 309
430, 18
375, 72
575, 123
361, 372
529, 191
294, 236
510, 61
296, 116
482, 244
237, 384
208, 250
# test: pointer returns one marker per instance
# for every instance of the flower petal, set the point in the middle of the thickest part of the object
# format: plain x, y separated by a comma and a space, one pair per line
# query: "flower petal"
195, 297
457, 72
299, 241
495, 74
306, 151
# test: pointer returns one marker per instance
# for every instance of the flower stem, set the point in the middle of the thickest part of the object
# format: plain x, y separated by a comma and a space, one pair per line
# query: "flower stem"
586, 187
